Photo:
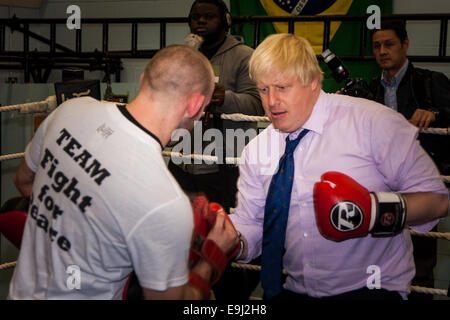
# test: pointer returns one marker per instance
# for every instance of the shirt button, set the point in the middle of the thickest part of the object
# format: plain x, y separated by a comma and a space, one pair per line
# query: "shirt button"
305, 235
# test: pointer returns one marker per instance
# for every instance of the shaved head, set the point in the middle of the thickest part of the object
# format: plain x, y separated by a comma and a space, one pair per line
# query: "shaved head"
178, 71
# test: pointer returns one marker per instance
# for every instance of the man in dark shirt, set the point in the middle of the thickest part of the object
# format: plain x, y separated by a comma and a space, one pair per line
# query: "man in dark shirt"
421, 95
234, 93
423, 98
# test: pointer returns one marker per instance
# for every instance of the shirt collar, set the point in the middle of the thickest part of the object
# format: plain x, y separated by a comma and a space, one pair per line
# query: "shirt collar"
127, 114
395, 79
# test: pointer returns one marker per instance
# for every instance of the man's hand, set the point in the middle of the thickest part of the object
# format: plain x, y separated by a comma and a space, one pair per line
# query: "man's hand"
217, 99
23, 179
340, 91
224, 234
214, 239
214, 243
422, 118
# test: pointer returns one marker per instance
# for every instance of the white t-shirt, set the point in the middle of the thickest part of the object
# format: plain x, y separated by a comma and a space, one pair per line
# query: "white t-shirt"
103, 204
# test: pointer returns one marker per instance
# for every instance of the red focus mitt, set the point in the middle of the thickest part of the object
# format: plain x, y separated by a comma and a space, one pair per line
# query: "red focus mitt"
204, 219
13, 215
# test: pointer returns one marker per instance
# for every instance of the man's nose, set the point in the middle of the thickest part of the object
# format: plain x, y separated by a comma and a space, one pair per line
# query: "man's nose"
272, 98
201, 19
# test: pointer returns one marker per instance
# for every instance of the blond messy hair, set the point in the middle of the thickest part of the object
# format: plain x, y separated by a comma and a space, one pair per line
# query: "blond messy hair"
287, 54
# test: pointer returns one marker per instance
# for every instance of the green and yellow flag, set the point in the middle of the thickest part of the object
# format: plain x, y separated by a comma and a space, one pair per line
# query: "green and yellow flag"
313, 31
344, 36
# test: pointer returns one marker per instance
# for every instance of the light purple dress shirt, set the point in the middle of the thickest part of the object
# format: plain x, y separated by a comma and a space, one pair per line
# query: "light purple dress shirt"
365, 140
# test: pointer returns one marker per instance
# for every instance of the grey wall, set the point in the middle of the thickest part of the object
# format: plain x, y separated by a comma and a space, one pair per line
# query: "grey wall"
424, 36
119, 35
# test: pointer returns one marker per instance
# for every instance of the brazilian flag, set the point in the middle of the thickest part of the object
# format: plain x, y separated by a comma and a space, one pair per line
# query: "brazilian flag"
344, 36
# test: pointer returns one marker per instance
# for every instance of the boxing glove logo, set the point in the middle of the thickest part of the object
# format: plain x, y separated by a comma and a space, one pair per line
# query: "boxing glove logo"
346, 216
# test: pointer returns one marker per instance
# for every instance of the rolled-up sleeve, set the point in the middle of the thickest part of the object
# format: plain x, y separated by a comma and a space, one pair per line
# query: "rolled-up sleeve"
411, 170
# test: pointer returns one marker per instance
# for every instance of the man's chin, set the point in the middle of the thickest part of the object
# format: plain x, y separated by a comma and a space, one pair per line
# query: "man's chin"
386, 65
201, 33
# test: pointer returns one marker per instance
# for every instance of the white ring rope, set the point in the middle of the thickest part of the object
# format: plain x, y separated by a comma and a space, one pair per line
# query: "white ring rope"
228, 160
439, 292
214, 159
243, 117
437, 235
12, 156
8, 265
439, 131
45, 106
49, 104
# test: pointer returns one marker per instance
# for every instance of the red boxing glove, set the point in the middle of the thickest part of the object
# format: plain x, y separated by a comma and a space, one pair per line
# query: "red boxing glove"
204, 219
345, 209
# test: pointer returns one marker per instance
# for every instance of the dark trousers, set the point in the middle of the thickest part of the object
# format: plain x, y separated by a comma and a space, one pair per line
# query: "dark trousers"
360, 294
237, 284
221, 187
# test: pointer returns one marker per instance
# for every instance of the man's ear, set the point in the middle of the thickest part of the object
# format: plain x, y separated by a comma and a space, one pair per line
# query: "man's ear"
405, 44
194, 104
314, 83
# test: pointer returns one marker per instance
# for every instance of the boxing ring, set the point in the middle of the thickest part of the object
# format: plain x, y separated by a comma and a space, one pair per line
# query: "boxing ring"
49, 104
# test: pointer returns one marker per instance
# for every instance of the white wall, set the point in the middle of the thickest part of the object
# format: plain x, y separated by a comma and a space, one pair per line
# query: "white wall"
420, 6
424, 35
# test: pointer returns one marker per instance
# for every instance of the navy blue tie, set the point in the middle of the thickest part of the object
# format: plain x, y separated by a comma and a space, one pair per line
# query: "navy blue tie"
276, 214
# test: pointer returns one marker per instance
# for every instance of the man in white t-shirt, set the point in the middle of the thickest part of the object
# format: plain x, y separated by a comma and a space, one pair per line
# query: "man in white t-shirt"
102, 202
